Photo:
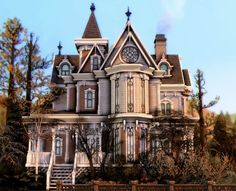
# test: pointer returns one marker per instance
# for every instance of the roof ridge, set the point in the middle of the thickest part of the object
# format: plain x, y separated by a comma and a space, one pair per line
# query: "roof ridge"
92, 29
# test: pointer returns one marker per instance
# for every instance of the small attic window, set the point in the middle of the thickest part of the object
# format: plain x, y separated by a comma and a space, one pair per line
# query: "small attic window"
65, 69
164, 66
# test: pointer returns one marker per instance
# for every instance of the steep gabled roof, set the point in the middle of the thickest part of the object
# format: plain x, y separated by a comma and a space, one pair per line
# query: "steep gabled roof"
92, 29
127, 32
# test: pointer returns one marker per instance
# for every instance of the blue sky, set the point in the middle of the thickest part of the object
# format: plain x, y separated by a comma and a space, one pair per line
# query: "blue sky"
202, 32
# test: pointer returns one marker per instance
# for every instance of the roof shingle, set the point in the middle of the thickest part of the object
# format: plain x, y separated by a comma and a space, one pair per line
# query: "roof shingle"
92, 29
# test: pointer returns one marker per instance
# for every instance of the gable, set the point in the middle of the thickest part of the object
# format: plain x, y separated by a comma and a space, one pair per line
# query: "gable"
137, 56
86, 66
74, 60
128, 38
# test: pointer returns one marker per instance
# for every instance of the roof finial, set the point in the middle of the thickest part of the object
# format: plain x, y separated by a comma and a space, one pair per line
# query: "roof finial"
92, 7
128, 14
59, 48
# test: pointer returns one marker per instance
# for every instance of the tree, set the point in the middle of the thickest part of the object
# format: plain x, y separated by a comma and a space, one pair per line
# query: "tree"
10, 50
13, 140
33, 77
224, 136
198, 104
87, 139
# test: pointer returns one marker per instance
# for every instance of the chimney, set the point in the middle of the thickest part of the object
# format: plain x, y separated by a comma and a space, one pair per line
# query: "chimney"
160, 46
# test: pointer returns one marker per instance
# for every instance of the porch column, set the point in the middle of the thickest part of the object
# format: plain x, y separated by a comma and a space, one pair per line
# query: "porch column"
29, 144
53, 143
76, 141
67, 154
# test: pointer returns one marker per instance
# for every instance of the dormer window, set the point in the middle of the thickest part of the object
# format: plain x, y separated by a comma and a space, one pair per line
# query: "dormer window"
95, 62
164, 66
65, 69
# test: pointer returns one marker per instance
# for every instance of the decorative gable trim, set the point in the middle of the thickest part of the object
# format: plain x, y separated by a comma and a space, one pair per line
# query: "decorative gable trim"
164, 60
88, 56
59, 67
133, 35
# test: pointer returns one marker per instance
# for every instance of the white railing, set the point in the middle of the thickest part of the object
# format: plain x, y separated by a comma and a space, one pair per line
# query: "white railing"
82, 159
44, 159
49, 172
74, 168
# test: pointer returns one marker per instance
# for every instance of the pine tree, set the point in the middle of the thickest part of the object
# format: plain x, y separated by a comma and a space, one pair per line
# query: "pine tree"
10, 49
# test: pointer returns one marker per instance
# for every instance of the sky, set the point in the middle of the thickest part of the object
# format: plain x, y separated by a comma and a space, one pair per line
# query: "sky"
202, 32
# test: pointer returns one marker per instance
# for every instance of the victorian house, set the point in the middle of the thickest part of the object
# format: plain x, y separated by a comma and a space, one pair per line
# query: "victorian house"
123, 84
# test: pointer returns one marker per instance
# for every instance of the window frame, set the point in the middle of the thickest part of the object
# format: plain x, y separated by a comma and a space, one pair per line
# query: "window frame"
65, 72
58, 148
92, 99
164, 61
166, 108
64, 62
95, 56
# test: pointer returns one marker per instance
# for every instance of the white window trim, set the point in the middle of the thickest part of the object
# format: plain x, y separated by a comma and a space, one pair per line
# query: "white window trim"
165, 61
59, 67
61, 146
99, 61
93, 98
165, 103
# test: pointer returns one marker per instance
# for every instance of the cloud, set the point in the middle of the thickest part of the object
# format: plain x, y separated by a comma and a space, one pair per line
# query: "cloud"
173, 10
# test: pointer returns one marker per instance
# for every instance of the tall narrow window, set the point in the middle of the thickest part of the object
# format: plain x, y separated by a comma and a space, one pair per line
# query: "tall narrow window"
89, 99
130, 100
130, 144
58, 146
117, 141
65, 70
117, 107
143, 95
143, 137
163, 109
168, 109
95, 63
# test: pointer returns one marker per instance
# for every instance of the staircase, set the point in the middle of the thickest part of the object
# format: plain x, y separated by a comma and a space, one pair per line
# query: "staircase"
61, 173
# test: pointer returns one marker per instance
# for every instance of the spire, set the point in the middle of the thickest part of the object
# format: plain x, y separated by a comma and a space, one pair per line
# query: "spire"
128, 14
92, 29
59, 48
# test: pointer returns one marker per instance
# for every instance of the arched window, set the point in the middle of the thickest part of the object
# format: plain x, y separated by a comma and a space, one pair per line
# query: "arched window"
58, 146
166, 108
164, 66
65, 69
89, 99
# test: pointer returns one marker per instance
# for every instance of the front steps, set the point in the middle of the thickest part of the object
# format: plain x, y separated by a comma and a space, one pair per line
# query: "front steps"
61, 173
